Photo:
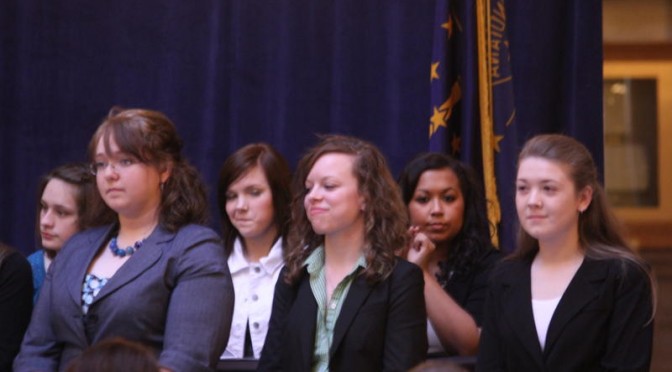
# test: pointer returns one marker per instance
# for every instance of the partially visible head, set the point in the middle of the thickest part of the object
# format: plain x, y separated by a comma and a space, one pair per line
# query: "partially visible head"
67, 202
573, 162
378, 200
438, 365
444, 198
254, 183
115, 354
149, 139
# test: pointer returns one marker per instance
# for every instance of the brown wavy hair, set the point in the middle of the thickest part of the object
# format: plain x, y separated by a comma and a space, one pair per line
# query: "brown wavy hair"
152, 138
91, 210
600, 233
385, 215
279, 178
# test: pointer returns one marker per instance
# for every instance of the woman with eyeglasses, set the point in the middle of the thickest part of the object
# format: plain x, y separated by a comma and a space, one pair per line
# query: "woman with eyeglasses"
68, 202
155, 276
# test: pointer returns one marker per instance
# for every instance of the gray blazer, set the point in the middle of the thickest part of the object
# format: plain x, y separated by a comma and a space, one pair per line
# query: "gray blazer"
174, 295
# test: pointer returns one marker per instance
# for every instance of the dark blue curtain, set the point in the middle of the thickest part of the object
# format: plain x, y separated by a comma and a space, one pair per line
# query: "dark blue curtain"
556, 67
231, 72
545, 75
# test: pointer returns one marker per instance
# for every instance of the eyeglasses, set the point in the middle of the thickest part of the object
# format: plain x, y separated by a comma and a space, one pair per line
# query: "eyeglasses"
117, 165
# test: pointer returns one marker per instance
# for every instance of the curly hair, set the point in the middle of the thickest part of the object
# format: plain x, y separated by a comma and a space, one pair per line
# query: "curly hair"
473, 240
277, 174
152, 138
385, 216
91, 210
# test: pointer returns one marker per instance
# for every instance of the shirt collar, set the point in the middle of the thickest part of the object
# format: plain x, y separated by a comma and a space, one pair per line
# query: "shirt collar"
270, 263
315, 261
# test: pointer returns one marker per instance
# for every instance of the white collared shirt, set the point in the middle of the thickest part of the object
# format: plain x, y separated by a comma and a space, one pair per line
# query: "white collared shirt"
542, 311
254, 285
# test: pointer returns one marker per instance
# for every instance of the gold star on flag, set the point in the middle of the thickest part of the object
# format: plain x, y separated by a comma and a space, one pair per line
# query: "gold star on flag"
435, 73
448, 26
495, 142
438, 119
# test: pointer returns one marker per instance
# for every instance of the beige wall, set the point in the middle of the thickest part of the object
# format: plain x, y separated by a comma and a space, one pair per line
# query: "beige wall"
627, 21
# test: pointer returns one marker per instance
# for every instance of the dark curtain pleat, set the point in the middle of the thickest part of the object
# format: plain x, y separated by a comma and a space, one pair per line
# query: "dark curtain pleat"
231, 72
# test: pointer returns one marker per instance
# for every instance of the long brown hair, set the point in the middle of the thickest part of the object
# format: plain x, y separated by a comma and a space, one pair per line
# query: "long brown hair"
152, 138
91, 210
277, 173
385, 214
600, 233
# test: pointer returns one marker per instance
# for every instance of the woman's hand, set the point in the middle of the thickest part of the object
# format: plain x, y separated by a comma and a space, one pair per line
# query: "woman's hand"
421, 248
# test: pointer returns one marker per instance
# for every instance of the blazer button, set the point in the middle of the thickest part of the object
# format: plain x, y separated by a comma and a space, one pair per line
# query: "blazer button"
255, 297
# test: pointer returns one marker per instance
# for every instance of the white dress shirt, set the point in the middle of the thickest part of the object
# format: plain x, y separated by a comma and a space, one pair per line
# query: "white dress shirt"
543, 312
254, 284
433, 342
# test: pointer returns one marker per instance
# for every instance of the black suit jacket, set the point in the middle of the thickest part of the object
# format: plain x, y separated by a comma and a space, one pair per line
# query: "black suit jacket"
601, 323
380, 327
15, 308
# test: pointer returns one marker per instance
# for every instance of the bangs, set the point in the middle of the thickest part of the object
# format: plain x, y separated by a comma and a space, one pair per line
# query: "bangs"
127, 133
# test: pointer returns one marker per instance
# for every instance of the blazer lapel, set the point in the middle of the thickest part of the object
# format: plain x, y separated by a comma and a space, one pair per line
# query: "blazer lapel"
305, 321
83, 261
517, 305
359, 291
142, 259
582, 289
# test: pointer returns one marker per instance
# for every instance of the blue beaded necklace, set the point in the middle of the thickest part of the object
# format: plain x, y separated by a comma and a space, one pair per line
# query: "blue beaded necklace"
123, 252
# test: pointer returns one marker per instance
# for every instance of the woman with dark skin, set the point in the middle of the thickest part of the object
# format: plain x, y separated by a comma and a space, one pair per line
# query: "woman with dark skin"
451, 244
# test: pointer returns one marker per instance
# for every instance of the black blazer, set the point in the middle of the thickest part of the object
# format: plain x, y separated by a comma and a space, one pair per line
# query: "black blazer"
15, 279
601, 323
380, 327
